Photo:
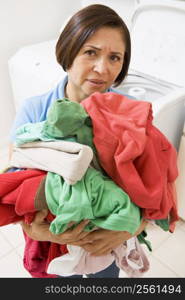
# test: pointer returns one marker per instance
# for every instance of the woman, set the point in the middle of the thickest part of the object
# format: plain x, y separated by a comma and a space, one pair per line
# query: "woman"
94, 49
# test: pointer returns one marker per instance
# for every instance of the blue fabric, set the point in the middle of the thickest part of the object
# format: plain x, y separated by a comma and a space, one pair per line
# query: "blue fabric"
35, 109
111, 271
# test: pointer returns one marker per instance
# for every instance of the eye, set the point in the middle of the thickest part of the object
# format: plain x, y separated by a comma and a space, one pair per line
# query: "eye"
115, 58
90, 52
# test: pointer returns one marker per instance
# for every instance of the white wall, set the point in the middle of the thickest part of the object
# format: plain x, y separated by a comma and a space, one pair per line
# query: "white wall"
123, 7
25, 22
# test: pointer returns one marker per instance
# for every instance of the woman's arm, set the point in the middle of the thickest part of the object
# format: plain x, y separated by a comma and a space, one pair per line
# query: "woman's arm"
39, 230
102, 241
98, 242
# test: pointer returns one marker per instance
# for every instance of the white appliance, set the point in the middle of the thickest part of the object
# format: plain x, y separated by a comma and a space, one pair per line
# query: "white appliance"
34, 70
156, 71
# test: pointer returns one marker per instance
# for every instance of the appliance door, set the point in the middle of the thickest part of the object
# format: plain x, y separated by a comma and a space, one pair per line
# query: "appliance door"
158, 40
180, 182
169, 115
145, 87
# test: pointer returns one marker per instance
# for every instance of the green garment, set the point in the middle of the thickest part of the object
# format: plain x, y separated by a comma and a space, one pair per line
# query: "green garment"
65, 119
142, 239
94, 197
31, 132
163, 223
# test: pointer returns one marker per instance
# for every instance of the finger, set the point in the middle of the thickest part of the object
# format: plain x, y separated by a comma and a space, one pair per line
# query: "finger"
102, 251
90, 247
99, 234
98, 247
40, 216
74, 235
70, 236
26, 227
91, 237
80, 227
77, 243
83, 235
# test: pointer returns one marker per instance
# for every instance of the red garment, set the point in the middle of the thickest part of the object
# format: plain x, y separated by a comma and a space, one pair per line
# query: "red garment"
38, 255
134, 153
8, 215
17, 193
35, 257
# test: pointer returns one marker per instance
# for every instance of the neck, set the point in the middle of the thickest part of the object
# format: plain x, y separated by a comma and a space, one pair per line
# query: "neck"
72, 95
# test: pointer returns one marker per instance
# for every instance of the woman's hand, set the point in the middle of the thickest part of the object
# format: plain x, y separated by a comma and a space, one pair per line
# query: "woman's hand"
102, 241
39, 230
98, 242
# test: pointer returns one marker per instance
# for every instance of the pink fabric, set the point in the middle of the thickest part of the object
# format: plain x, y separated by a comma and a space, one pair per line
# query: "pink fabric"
133, 262
92, 264
35, 257
134, 153
129, 257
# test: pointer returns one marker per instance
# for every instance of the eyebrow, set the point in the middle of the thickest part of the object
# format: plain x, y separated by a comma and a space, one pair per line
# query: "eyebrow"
96, 48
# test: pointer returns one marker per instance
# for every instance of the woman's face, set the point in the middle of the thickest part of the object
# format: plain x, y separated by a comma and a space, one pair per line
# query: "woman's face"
97, 64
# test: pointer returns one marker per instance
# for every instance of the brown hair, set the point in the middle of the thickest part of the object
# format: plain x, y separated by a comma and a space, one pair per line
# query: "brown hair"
84, 24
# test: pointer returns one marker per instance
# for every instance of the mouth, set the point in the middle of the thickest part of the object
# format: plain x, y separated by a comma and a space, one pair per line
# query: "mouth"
96, 82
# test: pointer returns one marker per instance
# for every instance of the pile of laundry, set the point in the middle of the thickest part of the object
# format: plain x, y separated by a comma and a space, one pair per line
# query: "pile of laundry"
101, 160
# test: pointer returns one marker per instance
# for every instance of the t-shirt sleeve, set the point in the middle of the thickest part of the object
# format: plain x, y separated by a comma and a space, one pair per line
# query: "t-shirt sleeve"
24, 115
34, 109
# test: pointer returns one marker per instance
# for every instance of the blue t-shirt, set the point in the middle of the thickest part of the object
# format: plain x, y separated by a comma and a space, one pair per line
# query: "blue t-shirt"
35, 109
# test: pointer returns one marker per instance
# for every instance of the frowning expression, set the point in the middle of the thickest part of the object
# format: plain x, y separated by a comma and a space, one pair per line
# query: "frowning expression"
97, 64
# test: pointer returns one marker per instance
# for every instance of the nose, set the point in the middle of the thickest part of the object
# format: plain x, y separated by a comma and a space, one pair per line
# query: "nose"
101, 66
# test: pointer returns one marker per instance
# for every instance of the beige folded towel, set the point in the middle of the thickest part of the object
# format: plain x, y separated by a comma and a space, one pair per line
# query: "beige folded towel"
68, 159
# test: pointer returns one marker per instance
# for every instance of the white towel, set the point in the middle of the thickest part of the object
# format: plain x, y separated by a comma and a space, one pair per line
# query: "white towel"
68, 159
